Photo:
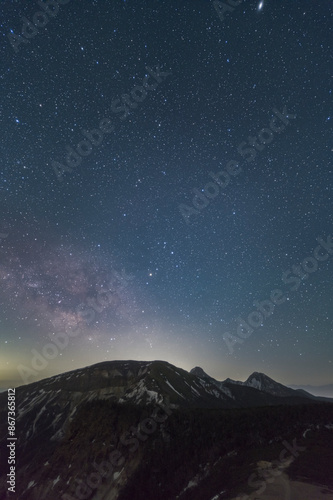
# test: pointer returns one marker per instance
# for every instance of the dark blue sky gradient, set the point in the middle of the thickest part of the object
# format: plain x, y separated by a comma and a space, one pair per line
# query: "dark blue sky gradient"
133, 250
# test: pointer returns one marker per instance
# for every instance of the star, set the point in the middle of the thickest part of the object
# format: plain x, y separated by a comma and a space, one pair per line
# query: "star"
190, 185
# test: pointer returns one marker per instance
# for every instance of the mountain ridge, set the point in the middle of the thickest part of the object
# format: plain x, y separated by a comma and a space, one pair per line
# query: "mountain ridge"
325, 390
262, 382
121, 403
106, 374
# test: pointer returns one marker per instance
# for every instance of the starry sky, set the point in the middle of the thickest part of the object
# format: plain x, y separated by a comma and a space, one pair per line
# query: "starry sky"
166, 186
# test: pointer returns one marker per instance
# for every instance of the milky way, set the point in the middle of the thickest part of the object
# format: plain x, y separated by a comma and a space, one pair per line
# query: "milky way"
47, 287
194, 144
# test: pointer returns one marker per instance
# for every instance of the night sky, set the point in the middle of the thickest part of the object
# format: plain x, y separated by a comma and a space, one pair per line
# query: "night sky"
166, 186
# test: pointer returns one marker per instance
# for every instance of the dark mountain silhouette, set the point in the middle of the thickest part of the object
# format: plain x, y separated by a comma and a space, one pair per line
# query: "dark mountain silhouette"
259, 382
149, 430
316, 390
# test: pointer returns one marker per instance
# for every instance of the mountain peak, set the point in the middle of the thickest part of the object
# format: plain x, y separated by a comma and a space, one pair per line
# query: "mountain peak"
265, 383
259, 377
256, 374
112, 399
199, 372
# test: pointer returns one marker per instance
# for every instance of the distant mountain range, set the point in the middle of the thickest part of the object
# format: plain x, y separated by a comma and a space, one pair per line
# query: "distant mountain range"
63, 421
261, 383
316, 390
